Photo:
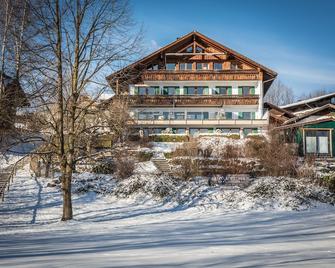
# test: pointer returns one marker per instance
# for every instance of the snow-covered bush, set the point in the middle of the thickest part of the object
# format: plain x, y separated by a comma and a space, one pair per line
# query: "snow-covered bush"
88, 182
104, 168
154, 185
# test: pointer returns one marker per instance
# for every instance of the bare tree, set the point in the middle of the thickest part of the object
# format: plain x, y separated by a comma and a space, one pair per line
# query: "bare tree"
279, 94
79, 43
315, 93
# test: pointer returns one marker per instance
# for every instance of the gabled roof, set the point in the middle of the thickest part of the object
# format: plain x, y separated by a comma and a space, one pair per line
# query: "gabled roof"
308, 101
310, 113
279, 109
190, 37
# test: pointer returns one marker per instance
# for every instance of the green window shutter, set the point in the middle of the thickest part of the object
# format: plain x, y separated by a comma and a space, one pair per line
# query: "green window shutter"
229, 115
136, 91
157, 91
239, 90
229, 91
252, 91
165, 91
240, 115
206, 90
254, 130
177, 91
253, 115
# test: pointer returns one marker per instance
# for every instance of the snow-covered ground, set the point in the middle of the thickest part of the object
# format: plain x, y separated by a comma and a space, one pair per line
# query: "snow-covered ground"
141, 232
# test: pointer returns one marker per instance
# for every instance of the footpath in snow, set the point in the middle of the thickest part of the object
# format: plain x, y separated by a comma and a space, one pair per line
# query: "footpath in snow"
142, 232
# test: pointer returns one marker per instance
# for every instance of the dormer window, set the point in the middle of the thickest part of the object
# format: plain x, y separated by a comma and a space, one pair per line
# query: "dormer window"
170, 66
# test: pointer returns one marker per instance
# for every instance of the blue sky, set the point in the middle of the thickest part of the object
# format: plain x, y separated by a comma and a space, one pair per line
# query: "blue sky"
296, 38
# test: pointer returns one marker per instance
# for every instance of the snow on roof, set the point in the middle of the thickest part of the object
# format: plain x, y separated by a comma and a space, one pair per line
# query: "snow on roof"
308, 100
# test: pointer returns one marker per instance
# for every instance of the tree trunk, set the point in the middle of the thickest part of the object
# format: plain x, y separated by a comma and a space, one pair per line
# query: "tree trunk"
67, 199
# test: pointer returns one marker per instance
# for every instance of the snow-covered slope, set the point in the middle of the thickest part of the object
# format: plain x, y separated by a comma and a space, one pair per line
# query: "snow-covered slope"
140, 231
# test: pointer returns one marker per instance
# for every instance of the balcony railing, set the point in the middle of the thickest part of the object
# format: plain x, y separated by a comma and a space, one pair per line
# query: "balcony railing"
204, 122
187, 100
200, 75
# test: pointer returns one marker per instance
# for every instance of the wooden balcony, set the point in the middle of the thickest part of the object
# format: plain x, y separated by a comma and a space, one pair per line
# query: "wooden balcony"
183, 100
197, 123
201, 75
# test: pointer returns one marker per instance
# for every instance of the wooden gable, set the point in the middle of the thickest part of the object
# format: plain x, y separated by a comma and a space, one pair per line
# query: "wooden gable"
192, 48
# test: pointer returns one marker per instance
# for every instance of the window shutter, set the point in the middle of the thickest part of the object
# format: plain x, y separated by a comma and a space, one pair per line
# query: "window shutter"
253, 115
252, 91
240, 115
230, 91
157, 91
240, 90
177, 91
136, 91
206, 91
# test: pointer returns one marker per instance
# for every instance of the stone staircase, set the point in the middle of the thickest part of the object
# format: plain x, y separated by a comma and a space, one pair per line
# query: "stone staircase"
162, 164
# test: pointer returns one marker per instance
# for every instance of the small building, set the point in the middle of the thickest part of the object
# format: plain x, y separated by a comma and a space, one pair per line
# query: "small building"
309, 123
12, 97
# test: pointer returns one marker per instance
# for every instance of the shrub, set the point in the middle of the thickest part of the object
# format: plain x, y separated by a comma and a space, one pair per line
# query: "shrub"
278, 158
125, 167
230, 151
307, 169
254, 145
329, 182
168, 154
187, 168
104, 168
190, 149
144, 156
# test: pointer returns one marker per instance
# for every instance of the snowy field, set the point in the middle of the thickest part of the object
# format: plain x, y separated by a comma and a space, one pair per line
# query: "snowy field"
142, 232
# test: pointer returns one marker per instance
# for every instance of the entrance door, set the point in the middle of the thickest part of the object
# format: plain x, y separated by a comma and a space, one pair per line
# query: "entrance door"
317, 142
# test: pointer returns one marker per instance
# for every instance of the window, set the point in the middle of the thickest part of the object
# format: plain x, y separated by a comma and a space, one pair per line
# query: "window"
179, 115
171, 91
170, 66
185, 66
246, 90
190, 90
317, 142
166, 115
153, 91
153, 67
217, 66
142, 90
202, 66
147, 91
180, 131
247, 131
189, 49
246, 115
199, 49
223, 90
145, 115
235, 66
196, 90
194, 115
229, 115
